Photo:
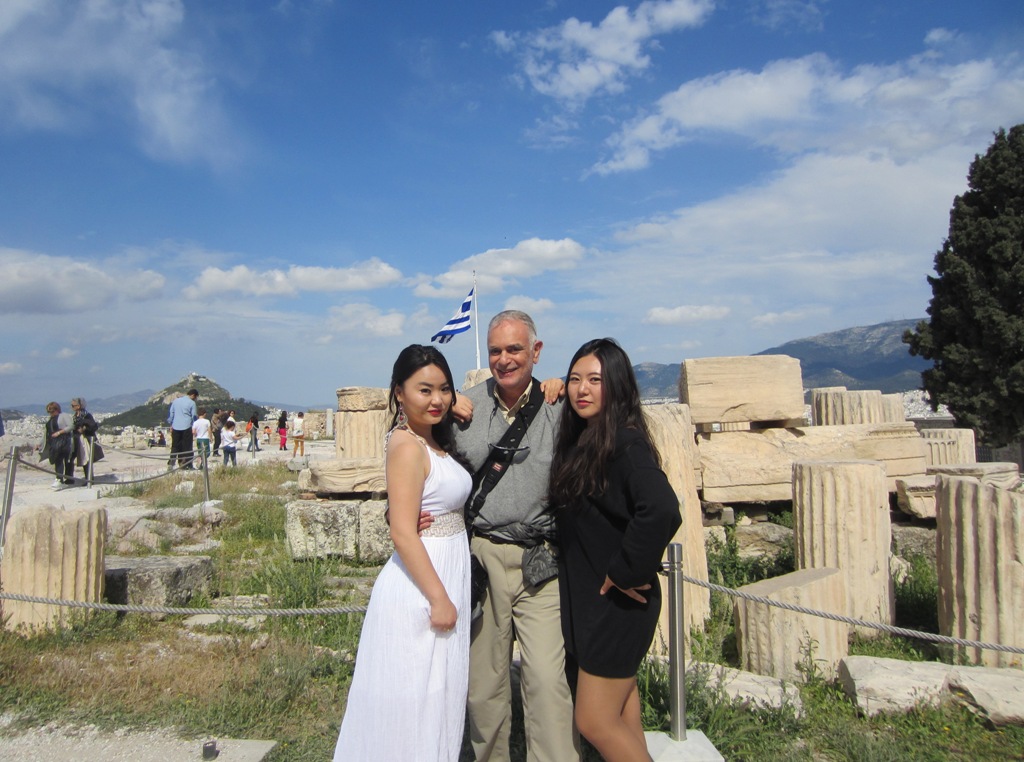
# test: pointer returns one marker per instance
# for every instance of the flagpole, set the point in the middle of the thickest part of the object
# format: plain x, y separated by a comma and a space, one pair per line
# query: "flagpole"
476, 319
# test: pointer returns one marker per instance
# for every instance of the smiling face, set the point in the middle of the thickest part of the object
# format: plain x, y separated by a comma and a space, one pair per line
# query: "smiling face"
586, 394
426, 397
511, 358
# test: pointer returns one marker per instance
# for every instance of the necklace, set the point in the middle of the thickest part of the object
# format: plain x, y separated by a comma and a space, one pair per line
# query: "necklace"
440, 453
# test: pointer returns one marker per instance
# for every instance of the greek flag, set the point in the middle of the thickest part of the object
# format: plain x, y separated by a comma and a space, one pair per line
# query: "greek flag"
458, 323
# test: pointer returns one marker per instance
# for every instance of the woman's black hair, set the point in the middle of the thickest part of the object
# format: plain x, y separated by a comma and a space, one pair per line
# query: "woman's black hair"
582, 452
411, 359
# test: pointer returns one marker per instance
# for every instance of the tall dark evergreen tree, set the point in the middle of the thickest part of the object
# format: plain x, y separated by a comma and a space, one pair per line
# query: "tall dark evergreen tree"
975, 334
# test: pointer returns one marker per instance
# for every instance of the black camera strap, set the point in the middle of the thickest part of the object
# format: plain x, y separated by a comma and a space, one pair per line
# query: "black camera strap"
500, 456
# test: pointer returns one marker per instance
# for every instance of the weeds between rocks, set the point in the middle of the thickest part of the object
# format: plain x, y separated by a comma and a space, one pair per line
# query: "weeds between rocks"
288, 681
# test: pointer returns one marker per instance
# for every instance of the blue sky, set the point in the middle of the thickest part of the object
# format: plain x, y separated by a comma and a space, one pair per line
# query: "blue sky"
282, 195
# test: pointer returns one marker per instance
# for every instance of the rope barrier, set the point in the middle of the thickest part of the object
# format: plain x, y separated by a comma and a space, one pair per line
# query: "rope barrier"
179, 610
901, 631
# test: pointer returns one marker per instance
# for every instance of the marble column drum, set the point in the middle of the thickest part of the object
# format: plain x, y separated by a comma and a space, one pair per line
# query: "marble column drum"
841, 520
781, 643
840, 407
52, 553
980, 564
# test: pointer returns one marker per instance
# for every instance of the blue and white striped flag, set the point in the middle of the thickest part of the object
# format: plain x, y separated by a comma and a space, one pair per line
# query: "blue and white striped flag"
458, 323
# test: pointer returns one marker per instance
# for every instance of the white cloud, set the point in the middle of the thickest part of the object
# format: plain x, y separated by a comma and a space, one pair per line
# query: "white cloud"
61, 63
576, 60
33, 283
363, 319
529, 305
497, 268
794, 106
787, 14
66, 353
768, 319
686, 313
361, 276
10, 368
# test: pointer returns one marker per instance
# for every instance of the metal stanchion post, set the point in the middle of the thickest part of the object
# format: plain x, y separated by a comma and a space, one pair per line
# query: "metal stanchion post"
676, 646
12, 469
206, 474
92, 455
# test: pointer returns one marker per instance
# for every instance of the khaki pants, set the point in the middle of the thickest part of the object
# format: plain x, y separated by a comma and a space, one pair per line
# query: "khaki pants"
530, 616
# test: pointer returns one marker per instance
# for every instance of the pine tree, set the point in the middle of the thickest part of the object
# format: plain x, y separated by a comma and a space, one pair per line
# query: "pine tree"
975, 334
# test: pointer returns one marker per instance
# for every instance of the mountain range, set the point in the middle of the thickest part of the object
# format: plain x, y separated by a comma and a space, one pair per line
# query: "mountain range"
865, 357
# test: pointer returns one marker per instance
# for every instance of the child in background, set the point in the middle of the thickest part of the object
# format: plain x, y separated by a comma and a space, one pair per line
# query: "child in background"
229, 442
201, 431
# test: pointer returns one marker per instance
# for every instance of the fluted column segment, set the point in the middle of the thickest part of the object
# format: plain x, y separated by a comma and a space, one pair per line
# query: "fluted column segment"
52, 553
841, 520
777, 642
980, 565
840, 407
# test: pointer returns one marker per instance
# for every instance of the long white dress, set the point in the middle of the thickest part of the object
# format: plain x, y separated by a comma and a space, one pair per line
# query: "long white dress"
407, 701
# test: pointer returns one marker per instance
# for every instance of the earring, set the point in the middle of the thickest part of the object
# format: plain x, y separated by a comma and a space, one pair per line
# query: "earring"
403, 420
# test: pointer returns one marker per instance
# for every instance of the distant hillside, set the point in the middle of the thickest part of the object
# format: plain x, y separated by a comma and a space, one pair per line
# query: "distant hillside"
657, 380
867, 357
153, 412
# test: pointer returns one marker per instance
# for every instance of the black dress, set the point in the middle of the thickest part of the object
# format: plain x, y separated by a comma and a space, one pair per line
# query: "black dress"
621, 533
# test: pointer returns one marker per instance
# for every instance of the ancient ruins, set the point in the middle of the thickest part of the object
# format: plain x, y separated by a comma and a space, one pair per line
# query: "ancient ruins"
858, 478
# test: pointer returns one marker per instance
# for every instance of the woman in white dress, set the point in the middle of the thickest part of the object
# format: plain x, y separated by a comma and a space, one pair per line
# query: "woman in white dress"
408, 695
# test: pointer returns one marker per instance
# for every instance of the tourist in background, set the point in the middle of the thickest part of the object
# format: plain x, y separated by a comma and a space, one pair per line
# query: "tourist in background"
407, 700
216, 424
229, 442
299, 434
252, 427
201, 431
181, 415
616, 514
87, 449
282, 429
58, 445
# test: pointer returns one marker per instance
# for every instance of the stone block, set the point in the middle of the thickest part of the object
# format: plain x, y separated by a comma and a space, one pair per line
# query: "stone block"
840, 407
979, 550
841, 520
374, 541
758, 465
997, 694
755, 691
915, 495
777, 642
910, 541
359, 399
740, 389
1002, 475
160, 581
360, 434
762, 539
351, 529
52, 553
672, 433
893, 409
342, 476
891, 685
950, 446
475, 376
